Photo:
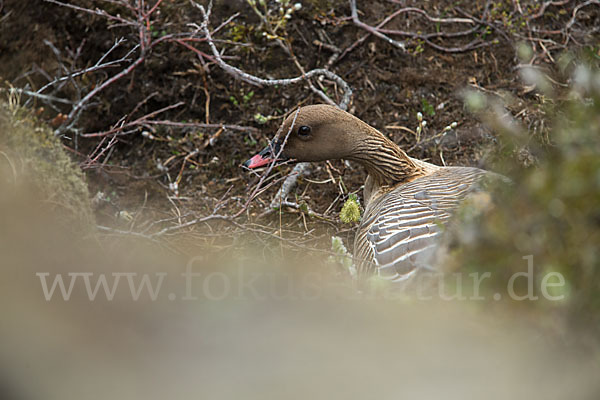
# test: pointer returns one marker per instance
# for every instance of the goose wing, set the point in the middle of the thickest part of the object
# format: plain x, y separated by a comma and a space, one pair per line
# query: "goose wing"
399, 233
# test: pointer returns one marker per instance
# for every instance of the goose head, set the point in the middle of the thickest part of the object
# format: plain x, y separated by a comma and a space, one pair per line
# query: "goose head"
313, 133
323, 132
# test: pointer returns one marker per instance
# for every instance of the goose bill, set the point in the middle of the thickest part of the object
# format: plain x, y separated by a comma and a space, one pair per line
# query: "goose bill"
265, 157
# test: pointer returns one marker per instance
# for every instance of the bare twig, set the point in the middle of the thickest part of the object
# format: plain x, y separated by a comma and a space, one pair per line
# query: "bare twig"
372, 30
576, 10
434, 19
44, 97
140, 20
100, 64
254, 80
288, 184
200, 125
545, 5
382, 33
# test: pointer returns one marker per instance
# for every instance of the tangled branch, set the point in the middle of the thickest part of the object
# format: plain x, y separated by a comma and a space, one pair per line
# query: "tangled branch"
383, 33
254, 80
514, 26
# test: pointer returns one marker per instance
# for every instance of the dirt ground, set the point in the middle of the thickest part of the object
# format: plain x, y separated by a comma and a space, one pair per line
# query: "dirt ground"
131, 181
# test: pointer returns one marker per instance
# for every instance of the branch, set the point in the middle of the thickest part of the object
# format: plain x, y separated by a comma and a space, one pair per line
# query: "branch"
372, 30
254, 80
288, 184
382, 33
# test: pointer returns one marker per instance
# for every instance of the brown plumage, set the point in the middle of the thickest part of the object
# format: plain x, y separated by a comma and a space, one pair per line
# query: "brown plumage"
407, 201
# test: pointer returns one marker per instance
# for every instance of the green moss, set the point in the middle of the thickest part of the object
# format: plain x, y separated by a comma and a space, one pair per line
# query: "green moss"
32, 154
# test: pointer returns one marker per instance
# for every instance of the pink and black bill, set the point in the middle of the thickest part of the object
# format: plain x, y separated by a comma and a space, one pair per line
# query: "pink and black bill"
266, 156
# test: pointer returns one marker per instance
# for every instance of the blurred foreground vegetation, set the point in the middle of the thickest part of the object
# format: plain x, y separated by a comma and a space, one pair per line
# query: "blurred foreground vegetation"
32, 158
551, 212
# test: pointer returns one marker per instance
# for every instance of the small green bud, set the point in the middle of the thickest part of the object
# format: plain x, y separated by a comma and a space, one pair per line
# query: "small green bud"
351, 210
261, 119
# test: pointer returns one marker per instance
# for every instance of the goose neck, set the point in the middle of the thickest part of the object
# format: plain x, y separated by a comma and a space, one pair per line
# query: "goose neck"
386, 163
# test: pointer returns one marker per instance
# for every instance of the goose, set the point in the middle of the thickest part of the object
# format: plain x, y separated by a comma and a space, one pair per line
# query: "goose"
407, 202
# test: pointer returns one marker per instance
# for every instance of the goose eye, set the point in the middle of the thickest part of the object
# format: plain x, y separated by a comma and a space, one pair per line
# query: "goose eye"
304, 131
